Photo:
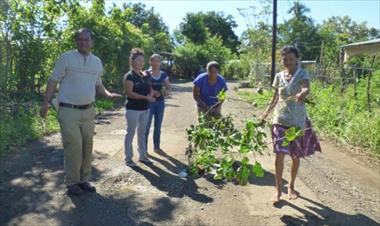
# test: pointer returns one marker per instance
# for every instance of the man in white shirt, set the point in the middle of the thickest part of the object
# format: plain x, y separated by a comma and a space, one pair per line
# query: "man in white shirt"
78, 73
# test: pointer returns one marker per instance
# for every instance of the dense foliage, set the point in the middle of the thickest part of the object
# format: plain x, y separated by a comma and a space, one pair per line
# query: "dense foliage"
191, 59
344, 117
197, 27
34, 33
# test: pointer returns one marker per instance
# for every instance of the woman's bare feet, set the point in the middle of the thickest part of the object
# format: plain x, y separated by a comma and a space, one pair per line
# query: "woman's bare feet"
276, 198
292, 194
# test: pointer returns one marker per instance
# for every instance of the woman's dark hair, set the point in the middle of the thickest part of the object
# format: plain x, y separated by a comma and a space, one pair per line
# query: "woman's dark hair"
212, 64
135, 52
290, 49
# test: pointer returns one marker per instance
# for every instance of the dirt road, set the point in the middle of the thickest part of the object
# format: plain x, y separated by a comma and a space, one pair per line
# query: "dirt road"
338, 187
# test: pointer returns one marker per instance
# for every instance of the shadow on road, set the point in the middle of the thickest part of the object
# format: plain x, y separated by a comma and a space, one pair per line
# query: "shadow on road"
32, 190
170, 182
31, 180
323, 215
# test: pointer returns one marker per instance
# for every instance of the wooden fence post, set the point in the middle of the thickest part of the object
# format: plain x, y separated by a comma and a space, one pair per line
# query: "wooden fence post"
274, 41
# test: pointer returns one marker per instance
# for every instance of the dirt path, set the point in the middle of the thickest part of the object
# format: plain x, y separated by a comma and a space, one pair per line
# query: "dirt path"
337, 187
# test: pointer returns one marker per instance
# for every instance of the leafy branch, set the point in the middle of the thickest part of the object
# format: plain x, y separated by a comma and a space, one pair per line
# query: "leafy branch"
217, 147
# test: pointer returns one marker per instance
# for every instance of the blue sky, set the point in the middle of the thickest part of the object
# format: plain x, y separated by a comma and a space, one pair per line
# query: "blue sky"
173, 11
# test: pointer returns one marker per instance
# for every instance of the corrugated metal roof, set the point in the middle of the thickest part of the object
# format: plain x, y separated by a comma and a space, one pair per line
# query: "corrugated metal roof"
371, 47
370, 42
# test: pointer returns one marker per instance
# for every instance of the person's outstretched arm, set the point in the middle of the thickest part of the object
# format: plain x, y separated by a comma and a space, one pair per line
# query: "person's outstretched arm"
102, 91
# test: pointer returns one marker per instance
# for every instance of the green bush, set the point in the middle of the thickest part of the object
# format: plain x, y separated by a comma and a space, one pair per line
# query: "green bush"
345, 118
363, 129
237, 69
191, 58
24, 125
186, 58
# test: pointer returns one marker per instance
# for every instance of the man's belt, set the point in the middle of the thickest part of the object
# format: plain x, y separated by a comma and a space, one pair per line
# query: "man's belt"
87, 106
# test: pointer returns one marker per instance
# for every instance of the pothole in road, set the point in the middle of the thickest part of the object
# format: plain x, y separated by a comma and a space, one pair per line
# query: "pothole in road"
128, 178
133, 182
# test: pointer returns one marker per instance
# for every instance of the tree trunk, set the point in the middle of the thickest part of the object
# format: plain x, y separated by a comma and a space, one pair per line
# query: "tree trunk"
355, 86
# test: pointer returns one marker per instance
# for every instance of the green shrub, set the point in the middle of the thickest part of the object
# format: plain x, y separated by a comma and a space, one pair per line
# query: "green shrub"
237, 69
191, 58
24, 125
345, 118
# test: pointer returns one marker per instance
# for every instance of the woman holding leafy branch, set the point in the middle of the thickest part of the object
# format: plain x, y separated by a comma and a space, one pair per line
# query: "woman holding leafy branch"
206, 88
290, 118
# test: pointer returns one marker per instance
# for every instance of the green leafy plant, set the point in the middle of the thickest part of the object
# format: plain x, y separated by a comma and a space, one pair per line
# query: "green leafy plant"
23, 124
344, 117
291, 134
221, 96
217, 147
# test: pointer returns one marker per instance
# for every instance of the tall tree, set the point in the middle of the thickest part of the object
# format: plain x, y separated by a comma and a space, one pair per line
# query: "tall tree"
298, 10
220, 25
257, 41
150, 23
194, 28
140, 15
301, 31
338, 31
197, 26
28, 28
